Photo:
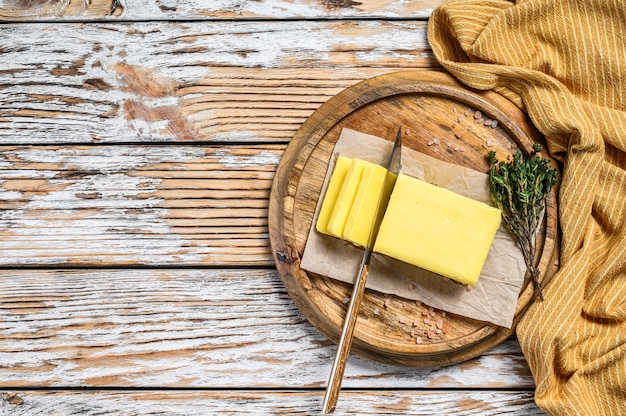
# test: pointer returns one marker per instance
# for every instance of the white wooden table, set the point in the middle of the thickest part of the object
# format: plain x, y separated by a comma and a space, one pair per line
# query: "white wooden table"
139, 140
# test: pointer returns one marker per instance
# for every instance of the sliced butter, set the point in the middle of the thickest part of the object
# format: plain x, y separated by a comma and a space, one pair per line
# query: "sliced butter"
345, 198
376, 184
437, 230
332, 192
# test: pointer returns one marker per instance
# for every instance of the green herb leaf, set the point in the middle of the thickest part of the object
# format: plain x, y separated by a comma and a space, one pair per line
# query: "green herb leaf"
519, 189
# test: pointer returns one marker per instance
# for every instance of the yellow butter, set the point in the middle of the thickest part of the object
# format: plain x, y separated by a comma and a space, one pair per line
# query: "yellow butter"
437, 230
332, 192
345, 198
376, 184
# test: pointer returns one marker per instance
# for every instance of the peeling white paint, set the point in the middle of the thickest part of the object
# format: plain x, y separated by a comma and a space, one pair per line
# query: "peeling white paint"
263, 158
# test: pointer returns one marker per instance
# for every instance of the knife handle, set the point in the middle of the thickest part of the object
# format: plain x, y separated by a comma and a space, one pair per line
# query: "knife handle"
345, 342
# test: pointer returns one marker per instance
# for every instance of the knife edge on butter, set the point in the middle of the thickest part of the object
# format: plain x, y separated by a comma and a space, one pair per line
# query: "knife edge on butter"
424, 225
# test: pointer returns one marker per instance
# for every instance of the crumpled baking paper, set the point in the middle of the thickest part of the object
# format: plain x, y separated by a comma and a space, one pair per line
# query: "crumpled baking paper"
493, 299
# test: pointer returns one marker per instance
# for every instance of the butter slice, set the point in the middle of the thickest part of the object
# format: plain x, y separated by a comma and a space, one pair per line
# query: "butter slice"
332, 192
376, 185
345, 198
437, 230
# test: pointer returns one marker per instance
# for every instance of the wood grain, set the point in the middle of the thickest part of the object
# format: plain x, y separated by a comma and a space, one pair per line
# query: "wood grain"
172, 82
139, 139
299, 402
150, 205
431, 107
35, 10
197, 328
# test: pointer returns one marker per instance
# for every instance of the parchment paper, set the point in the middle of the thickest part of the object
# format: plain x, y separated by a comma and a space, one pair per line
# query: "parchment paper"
493, 299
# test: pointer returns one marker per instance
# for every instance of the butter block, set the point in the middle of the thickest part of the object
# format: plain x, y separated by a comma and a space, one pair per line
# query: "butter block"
376, 185
345, 198
332, 192
437, 230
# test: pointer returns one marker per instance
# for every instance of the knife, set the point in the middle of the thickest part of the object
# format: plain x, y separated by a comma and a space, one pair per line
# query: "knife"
343, 348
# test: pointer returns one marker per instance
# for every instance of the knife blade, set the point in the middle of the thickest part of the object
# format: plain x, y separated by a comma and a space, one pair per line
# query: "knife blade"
345, 342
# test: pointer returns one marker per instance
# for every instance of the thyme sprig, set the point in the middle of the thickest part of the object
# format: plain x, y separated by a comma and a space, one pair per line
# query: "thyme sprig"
519, 188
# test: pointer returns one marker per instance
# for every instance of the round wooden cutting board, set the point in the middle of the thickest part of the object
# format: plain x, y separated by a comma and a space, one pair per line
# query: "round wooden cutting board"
442, 119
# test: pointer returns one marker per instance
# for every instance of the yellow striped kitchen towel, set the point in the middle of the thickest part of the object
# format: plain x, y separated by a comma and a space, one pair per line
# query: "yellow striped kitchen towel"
564, 63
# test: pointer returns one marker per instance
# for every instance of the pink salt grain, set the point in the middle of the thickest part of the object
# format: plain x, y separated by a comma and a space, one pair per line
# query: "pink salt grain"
424, 312
387, 303
403, 320
459, 134
345, 300
469, 288
418, 340
411, 286
439, 323
478, 115
416, 322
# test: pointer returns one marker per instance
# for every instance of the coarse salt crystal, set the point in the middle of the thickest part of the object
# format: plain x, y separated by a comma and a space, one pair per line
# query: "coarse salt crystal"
376, 310
478, 114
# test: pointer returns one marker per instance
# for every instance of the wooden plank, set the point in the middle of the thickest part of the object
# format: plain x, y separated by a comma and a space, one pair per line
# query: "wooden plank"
216, 9
172, 81
232, 328
151, 205
300, 402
